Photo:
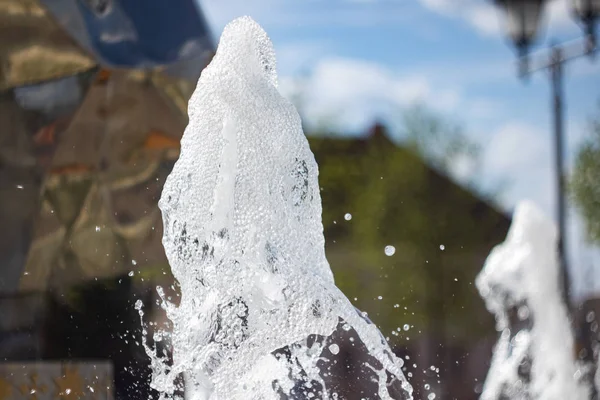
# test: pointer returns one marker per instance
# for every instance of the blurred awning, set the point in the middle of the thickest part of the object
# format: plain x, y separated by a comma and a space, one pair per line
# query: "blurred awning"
93, 101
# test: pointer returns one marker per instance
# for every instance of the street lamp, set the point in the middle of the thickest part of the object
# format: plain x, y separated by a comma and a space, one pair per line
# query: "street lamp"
523, 20
523, 17
588, 12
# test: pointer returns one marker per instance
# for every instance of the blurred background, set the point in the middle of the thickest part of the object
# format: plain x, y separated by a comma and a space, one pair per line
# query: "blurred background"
427, 122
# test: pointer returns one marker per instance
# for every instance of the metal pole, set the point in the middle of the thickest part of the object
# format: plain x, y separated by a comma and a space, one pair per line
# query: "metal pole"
556, 78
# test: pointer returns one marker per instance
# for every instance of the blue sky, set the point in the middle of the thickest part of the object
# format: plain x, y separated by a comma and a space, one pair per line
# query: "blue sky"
365, 59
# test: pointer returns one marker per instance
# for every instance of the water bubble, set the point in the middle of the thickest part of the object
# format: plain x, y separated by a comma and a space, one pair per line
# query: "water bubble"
406, 327
590, 316
442, 247
427, 386
97, 229
19, 186
431, 396
379, 297
68, 391
523, 313
334, 349
133, 262
389, 250
130, 273
348, 216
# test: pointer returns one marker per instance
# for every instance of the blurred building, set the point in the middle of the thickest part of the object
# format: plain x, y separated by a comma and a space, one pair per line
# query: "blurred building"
376, 193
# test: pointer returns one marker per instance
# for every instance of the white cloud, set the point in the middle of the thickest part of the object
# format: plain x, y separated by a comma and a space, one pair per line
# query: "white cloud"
297, 57
485, 18
357, 92
480, 15
489, 20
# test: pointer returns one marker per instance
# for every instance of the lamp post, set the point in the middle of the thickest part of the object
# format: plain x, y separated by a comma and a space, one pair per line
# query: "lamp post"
523, 17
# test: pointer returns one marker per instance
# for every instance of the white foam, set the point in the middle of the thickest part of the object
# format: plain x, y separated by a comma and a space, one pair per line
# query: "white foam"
244, 238
521, 276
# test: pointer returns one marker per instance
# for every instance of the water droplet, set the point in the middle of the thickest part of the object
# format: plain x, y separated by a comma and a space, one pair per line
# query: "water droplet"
334, 349
379, 297
130, 273
389, 250
442, 247
19, 186
431, 396
133, 262
32, 391
455, 279
427, 386
406, 327
97, 229
348, 216
68, 391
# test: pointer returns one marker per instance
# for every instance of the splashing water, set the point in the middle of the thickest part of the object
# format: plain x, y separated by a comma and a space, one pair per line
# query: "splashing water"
259, 316
533, 358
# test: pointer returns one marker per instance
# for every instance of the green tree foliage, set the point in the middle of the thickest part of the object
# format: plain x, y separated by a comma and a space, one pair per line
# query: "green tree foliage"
440, 141
585, 181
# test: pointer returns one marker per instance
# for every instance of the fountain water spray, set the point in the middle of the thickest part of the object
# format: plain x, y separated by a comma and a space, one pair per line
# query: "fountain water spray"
534, 357
259, 310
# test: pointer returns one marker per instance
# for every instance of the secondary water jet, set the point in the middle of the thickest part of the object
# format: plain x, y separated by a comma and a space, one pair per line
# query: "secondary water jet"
534, 357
